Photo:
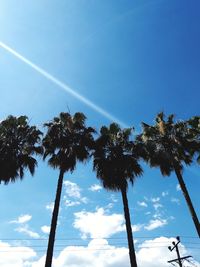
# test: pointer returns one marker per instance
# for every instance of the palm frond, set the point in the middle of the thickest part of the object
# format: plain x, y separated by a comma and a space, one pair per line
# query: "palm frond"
68, 141
115, 158
18, 141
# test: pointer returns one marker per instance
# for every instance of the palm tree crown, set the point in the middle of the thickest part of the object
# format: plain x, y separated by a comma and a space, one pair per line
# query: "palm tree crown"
19, 142
168, 144
67, 141
194, 130
115, 160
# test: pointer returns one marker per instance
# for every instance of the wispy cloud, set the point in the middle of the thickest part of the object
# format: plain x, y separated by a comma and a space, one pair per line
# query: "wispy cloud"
25, 230
175, 200
142, 204
22, 219
72, 189
70, 203
95, 187
165, 193
109, 206
155, 199
72, 196
153, 224
23, 226
113, 198
50, 206
178, 188
157, 206
137, 227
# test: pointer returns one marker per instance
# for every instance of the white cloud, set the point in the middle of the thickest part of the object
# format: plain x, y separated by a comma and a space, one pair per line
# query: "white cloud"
72, 189
165, 193
25, 229
175, 200
95, 187
137, 227
142, 204
153, 224
98, 253
45, 229
50, 206
22, 219
157, 206
72, 195
156, 203
98, 224
113, 198
178, 188
155, 199
109, 206
84, 200
105, 256
157, 215
70, 203
15, 256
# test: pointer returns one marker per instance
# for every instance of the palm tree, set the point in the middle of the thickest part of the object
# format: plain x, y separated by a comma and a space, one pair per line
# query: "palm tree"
170, 145
19, 142
67, 141
194, 130
115, 163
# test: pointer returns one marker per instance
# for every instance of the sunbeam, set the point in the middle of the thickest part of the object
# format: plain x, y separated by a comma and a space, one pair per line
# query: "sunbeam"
63, 86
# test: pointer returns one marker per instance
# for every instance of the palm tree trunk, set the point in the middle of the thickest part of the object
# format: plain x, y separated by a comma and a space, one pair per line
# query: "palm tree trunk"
188, 200
54, 219
128, 229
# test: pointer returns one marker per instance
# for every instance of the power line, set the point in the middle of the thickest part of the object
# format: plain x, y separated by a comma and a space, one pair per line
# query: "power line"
95, 238
61, 247
149, 246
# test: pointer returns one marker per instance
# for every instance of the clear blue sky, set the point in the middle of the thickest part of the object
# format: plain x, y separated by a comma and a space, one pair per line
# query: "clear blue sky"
131, 58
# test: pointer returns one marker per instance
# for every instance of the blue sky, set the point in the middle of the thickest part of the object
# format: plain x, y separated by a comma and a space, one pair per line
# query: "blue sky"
131, 58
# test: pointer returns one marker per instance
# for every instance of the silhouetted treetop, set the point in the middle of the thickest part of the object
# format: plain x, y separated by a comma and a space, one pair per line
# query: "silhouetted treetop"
19, 142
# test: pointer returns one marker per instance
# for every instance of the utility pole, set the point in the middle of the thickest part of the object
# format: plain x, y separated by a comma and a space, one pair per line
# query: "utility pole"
179, 258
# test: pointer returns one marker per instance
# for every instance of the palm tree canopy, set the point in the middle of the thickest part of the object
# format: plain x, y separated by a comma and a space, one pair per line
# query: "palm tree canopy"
19, 142
115, 158
168, 144
67, 141
194, 128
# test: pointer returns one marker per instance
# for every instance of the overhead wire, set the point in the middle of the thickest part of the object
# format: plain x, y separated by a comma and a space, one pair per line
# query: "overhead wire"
94, 238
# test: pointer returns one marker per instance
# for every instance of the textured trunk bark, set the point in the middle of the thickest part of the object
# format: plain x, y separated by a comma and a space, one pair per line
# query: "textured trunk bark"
188, 200
54, 219
129, 229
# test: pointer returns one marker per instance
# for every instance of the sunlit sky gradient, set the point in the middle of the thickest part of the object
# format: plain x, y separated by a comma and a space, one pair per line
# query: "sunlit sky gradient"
132, 59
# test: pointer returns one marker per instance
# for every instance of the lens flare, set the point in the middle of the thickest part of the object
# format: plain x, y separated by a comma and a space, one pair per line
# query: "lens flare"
63, 86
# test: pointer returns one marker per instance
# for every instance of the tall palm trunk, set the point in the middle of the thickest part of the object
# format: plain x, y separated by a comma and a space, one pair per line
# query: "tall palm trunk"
128, 229
188, 200
54, 219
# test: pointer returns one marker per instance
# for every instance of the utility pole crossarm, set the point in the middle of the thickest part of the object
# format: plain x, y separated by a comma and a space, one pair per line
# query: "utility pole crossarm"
182, 258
